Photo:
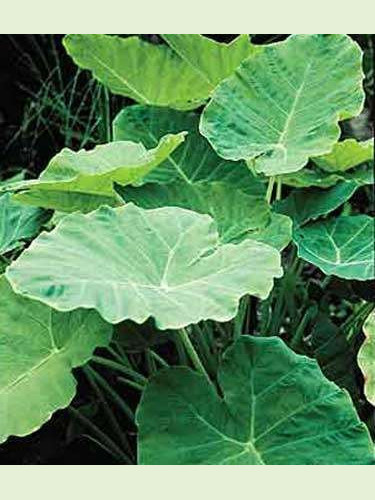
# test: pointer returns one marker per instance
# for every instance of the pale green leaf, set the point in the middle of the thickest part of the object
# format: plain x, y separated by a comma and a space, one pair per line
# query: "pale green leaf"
18, 222
277, 408
342, 246
154, 73
303, 205
366, 358
83, 180
345, 155
194, 160
235, 212
283, 105
131, 263
39, 347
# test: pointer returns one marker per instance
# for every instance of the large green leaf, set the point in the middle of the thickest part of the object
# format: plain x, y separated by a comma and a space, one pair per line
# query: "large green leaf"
236, 213
283, 105
277, 408
366, 357
303, 205
131, 263
345, 155
156, 74
18, 222
194, 160
84, 180
38, 349
343, 246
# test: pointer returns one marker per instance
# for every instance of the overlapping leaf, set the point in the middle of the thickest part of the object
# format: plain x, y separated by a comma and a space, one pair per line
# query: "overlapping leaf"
343, 246
130, 263
194, 160
283, 105
18, 222
303, 205
84, 180
308, 177
236, 213
38, 349
366, 357
277, 408
181, 75
346, 155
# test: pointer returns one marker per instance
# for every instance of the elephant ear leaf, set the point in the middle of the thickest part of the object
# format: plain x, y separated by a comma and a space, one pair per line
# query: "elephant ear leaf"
282, 105
181, 75
342, 246
83, 180
39, 347
166, 263
277, 408
366, 358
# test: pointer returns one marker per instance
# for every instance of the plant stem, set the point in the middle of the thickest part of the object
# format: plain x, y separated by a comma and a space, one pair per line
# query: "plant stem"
157, 358
130, 383
119, 367
101, 435
184, 336
279, 188
271, 183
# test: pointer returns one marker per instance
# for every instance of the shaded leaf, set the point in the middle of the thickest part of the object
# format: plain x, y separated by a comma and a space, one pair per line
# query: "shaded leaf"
18, 222
38, 349
194, 160
277, 408
235, 212
303, 205
315, 177
130, 263
283, 105
84, 180
342, 246
366, 357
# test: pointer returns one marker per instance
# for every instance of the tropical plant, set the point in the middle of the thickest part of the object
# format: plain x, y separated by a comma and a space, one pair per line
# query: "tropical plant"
203, 267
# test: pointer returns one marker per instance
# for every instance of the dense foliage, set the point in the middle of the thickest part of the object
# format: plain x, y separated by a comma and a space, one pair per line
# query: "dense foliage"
206, 275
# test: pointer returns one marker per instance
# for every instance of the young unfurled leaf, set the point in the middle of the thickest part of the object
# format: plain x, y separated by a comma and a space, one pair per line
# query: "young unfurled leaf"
303, 205
194, 160
345, 155
343, 246
235, 212
277, 408
283, 105
130, 263
18, 222
39, 347
366, 358
181, 75
83, 180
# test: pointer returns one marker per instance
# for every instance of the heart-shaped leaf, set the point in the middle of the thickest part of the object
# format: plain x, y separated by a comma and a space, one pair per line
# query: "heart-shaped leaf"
84, 180
308, 177
277, 408
343, 246
18, 222
366, 357
283, 105
39, 347
130, 263
181, 75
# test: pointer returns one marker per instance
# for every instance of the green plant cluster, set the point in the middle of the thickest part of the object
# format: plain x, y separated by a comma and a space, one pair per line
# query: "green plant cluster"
190, 266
